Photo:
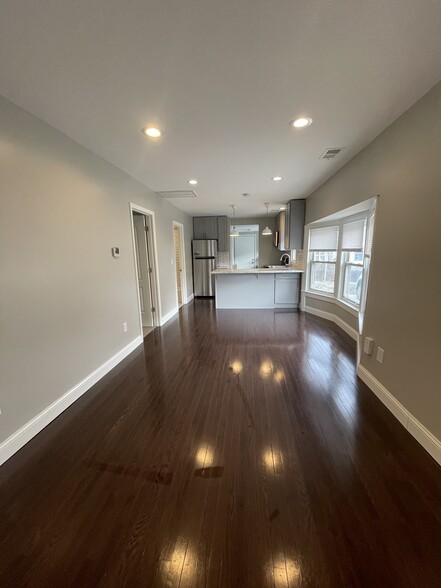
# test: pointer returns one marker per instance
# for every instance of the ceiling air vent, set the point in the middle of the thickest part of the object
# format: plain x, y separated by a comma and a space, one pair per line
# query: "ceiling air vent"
177, 194
331, 153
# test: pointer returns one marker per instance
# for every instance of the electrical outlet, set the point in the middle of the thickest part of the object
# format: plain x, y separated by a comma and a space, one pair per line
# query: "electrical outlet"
380, 355
125, 327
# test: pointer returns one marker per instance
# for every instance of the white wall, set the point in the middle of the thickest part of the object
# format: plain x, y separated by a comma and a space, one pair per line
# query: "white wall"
63, 296
403, 312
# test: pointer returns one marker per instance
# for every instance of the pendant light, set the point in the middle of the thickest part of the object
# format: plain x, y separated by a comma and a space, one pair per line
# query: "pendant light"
234, 232
267, 231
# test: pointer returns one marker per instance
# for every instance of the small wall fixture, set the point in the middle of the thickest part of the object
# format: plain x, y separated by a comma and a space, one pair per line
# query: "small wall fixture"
234, 232
267, 231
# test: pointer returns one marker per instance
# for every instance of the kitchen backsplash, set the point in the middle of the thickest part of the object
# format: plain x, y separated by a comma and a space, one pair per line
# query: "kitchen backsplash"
223, 259
297, 259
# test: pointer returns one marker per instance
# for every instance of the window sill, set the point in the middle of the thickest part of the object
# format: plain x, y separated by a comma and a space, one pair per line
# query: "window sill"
329, 298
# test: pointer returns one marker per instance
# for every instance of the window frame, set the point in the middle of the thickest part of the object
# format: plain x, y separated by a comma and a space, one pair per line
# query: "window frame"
311, 263
337, 295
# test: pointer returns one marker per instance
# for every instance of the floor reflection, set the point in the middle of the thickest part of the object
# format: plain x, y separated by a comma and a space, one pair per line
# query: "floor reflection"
283, 571
180, 568
272, 459
204, 456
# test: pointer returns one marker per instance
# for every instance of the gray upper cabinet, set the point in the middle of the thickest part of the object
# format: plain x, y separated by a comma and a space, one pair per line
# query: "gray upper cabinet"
204, 227
223, 233
295, 224
213, 227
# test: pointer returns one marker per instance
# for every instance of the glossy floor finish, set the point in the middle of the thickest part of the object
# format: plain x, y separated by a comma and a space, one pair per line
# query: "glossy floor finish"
235, 449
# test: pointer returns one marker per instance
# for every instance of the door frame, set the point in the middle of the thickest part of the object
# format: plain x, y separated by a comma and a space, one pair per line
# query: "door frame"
180, 226
156, 301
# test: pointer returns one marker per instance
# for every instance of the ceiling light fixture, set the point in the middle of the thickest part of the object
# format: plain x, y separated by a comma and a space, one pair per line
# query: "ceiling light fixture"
234, 232
152, 132
193, 182
276, 178
267, 231
302, 122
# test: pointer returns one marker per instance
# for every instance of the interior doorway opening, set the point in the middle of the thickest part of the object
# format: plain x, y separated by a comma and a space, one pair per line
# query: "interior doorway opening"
145, 268
179, 250
245, 247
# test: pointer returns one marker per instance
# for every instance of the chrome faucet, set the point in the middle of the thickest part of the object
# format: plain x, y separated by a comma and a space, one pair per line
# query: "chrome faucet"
285, 259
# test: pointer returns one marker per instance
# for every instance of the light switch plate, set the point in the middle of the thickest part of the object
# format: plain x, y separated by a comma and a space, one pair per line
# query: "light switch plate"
368, 345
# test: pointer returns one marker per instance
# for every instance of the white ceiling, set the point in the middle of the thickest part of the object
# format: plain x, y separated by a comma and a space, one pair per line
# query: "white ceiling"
223, 79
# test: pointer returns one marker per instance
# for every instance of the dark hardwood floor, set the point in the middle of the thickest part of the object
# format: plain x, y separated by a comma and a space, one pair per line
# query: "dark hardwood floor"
234, 449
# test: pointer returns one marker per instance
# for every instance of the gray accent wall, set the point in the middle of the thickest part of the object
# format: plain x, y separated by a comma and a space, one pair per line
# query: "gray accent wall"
403, 312
63, 296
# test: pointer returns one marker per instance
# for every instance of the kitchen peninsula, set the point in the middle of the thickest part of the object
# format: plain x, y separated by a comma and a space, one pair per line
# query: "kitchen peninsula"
257, 288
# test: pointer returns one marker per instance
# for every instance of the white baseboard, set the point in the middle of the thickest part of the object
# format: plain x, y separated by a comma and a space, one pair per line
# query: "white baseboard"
333, 318
168, 316
190, 298
18, 439
424, 437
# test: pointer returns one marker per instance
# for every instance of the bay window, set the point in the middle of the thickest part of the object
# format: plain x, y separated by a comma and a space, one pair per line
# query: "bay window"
337, 259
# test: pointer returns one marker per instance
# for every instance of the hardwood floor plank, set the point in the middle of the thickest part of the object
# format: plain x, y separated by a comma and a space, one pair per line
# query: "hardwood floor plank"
234, 449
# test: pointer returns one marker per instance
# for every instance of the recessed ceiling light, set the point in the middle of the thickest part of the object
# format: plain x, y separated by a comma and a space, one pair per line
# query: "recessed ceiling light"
152, 132
282, 208
276, 178
193, 182
300, 123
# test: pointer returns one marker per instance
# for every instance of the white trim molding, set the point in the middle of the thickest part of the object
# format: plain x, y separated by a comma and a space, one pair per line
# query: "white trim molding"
18, 439
424, 437
333, 318
168, 316
173, 312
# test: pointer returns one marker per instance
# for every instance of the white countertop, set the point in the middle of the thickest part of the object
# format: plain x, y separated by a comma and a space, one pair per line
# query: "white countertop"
260, 270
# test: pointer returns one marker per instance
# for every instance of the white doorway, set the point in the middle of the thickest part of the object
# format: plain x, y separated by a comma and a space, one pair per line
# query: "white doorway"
145, 267
245, 247
179, 249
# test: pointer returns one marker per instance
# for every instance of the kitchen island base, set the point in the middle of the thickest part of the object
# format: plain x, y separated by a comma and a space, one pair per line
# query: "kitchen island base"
258, 289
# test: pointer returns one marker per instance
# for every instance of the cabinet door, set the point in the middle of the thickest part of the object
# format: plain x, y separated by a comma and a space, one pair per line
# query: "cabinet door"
286, 289
296, 223
199, 228
223, 233
210, 227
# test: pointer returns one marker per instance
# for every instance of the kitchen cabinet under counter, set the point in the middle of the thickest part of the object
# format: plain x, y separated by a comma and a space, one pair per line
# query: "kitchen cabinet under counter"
257, 288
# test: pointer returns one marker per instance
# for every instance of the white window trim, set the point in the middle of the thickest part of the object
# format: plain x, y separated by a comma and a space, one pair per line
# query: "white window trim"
337, 296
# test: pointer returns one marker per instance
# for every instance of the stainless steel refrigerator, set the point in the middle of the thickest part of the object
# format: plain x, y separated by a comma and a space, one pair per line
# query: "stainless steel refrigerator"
204, 262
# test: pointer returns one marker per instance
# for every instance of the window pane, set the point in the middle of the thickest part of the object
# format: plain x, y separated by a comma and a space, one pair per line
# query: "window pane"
352, 284
324, 256
355, 257
323, 276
